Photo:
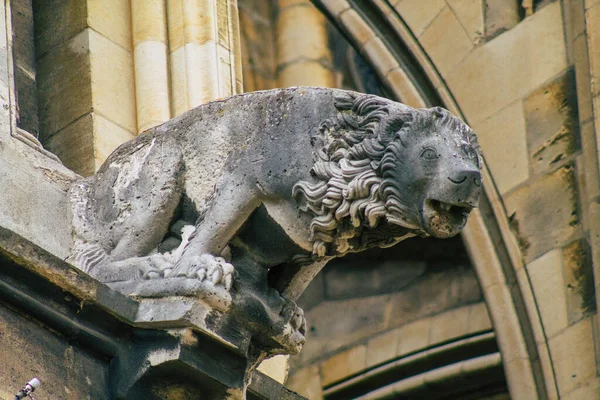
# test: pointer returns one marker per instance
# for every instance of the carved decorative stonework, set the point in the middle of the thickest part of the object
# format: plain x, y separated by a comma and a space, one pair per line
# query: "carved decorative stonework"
275, 183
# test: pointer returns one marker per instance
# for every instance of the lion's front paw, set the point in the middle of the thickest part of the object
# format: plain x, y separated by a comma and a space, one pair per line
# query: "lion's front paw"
204, 267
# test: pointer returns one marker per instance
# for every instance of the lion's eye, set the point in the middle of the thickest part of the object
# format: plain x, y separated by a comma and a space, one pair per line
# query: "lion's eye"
429, 154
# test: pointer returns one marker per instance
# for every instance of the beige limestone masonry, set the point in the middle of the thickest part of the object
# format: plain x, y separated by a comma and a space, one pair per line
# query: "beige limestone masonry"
150, 57
303, 56
418, 14
547, 279
446, 41
387, 346
470, 15
507, 68
204, 51
503, 143
85, 68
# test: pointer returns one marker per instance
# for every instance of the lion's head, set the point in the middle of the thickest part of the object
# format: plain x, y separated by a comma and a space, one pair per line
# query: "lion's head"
384, 171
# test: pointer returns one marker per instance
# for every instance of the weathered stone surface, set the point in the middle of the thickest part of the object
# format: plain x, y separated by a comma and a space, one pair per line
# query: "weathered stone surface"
418, 14
496, 74
504, 146
572, 356
470, 16
552, 123
64, 85
344, 364
551, 200
57, 21
65, 370
579, 280
546, 275
445, 41
500, 17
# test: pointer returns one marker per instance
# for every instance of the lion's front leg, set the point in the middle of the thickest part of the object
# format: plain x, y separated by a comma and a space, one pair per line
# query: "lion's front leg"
229, 210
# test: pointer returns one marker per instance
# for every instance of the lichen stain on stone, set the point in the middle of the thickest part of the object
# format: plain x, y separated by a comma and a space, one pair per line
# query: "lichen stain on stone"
580, 275
513, 224
567, 173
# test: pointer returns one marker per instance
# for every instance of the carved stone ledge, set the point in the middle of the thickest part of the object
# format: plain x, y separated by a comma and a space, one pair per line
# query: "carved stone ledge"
148, 348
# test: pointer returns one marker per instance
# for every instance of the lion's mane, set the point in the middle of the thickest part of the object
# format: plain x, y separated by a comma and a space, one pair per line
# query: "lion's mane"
356, 174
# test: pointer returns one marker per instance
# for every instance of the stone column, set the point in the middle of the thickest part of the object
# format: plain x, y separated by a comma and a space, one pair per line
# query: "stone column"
204, 49
149, 23
303, 56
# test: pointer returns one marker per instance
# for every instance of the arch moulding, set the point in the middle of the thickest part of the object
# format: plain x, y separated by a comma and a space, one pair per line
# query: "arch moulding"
386, 42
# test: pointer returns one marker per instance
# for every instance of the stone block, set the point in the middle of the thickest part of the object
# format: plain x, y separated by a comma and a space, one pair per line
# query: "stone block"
377, 52
175, 30
518, 373
23, 36
282, 4
449, 325
107, 136
552, 122
276, 367
479, 319
64, 85
113, 85
112, 19
65, 370
149, 21
547, 280
506, 324
27, 102
593, 38
591, 189
382, 348
199, 21
507, 68
201, 73
295, 42
588, 390
57, 21
360, 278
334, 324
582, 78
306, 382
547, 370
404, 88
151, 84
445, 41
470, 16
178, 76
357, 26
414, 337
531, 306
314, 293
544, 214
504, 146
573, 357
579, 280
308, 73
336, 7
418, 14
500, 16
343, 364
74, 145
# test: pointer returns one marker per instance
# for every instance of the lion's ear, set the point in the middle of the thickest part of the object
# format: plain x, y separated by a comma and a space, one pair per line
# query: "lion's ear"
391, 127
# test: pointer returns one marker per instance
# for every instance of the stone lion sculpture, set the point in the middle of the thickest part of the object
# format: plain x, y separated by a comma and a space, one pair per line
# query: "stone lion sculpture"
287, 179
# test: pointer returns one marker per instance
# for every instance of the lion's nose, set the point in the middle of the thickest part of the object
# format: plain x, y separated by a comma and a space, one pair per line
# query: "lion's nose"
467, 177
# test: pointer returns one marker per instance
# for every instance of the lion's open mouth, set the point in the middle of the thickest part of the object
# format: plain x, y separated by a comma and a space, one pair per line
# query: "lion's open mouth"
443, 219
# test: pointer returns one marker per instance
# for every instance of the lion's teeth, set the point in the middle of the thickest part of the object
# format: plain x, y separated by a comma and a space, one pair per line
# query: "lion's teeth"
445, 206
